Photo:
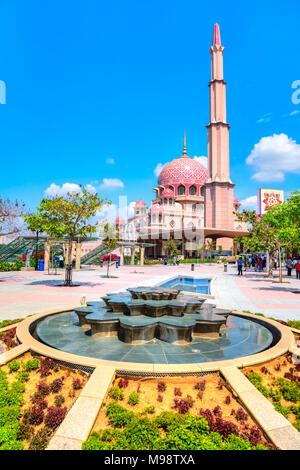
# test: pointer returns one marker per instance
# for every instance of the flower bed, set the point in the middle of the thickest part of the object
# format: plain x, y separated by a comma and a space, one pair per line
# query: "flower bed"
35, 395
8, 340
173, 414
279, 382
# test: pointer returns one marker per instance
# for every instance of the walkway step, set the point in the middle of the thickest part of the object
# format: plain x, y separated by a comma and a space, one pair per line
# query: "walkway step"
278, 428
8, 356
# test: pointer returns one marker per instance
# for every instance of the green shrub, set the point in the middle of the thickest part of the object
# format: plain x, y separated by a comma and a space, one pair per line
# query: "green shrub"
93, 443
256, 380
116, 393
12, 445
32, 364
294, 324
14, 366
5, 323
17, 387
40, 439
289, 390
168, 431
282, 409
9, 432
9, 414
148, 410
141, 433
23, 376
118, 415
59, 400
133, 398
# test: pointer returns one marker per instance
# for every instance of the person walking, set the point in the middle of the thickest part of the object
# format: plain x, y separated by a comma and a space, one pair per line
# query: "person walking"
289, 265
297, 266
240, 266
61, 261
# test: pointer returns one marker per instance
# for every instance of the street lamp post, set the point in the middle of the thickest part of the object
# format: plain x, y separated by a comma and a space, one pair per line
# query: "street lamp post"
37, 249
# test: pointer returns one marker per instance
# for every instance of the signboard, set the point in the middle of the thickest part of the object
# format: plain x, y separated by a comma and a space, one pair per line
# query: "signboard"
267, 198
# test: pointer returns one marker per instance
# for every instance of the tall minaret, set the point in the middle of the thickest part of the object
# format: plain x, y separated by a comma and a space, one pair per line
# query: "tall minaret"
219, 188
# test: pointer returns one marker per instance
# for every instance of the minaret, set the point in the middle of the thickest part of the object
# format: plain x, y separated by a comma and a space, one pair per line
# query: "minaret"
219, 188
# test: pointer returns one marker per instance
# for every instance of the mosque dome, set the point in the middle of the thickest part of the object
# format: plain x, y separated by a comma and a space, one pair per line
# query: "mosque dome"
140, 203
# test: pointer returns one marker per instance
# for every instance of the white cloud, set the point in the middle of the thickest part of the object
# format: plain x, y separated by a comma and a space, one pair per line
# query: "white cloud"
158, 168
202, 160
249, 203
110, 161
265, 118
90, 188
56, 190
273, 157
294, 112
111, 183
108, 212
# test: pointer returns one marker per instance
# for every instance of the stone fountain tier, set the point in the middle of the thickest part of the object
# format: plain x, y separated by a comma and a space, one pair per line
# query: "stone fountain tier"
138, 329
144, 313
124, 303
153, 293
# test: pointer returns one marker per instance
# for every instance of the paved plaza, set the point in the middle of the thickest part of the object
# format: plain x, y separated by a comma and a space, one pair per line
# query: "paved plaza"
26, 293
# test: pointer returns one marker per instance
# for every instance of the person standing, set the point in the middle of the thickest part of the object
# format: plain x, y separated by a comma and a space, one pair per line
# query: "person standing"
297, 266
61, 261
240, 266
289, 265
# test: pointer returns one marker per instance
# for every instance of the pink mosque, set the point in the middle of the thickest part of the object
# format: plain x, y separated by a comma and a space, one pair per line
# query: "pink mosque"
193, 202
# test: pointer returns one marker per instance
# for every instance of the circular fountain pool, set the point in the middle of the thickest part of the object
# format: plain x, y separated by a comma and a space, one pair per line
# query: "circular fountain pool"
241, 337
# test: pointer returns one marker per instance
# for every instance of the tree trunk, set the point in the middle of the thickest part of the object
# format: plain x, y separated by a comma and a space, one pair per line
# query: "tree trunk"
280, 266
108, 264
68, 277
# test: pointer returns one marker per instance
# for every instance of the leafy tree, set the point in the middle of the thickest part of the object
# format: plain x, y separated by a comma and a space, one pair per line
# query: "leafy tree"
11, 221
278, 228
67, 217
211, 247
171, 248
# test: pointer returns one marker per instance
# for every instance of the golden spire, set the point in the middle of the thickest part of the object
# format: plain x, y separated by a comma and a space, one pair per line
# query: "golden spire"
184, 144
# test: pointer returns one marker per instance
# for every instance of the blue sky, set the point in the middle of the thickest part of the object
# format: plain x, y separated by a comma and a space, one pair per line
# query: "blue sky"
104, 90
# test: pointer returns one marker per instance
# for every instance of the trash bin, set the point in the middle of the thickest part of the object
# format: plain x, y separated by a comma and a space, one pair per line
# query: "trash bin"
225, 267
41, 265
101, 264
118, 261
192, 267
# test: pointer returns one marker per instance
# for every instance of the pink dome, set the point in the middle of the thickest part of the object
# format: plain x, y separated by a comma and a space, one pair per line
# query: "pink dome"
183, 170
140, 203
167, 192
156, 208
120, 221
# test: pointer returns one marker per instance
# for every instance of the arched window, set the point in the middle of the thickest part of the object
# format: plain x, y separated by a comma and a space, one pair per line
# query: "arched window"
181, 190
170, 201
165, 200
192, 190
172, 188
202, 191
